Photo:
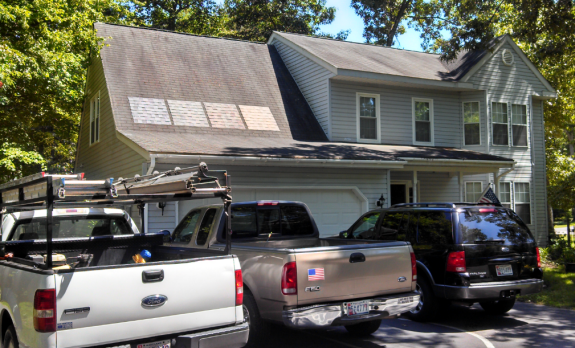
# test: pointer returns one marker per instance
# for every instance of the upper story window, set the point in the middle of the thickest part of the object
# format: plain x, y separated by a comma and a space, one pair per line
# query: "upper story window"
500, 124
423, 121
95, 119
473, 191
368, 118
471, 126
519, 124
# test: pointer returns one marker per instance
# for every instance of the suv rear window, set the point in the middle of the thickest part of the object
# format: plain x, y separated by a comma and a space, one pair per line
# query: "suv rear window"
493, 226
249, 221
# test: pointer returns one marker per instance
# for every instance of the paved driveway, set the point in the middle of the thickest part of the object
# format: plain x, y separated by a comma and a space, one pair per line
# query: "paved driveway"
527, 325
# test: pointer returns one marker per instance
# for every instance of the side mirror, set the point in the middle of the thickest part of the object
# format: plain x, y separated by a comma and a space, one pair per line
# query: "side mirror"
167, 236
343, 234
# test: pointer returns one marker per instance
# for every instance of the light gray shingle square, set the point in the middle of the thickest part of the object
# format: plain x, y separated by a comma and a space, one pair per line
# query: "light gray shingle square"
188, 113
149, 110
224, 115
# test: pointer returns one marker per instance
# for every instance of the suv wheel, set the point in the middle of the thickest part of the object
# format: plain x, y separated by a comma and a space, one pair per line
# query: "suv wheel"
498, 307
363, 329
10, 338
428, 304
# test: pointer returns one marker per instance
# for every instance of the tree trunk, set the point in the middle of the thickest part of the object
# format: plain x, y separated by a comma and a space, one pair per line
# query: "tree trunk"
550, 227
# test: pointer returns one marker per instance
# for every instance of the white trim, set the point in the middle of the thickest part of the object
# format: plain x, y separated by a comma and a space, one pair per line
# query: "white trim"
509, 140
329, 118
377, 116
465, 189
463, 121
302, 51
146, 215
531, 203
510, 192
93, 116
362, 198
527, 119
431, 122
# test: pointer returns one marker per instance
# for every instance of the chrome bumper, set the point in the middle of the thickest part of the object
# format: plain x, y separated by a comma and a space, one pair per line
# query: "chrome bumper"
493, 290
229, 337
335, 315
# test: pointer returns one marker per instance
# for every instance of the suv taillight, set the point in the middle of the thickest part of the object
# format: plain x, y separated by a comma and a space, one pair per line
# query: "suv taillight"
538, 257
45, 310
413, 268
456, 262
239, 288
289, 279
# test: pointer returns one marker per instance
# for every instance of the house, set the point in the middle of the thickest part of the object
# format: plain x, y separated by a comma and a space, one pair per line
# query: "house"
340, 126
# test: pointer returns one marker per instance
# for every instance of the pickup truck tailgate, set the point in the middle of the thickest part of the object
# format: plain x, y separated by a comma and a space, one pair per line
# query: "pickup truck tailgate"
352, 271
106, 304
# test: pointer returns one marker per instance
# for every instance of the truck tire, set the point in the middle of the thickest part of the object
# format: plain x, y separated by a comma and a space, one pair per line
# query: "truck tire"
10, 338
363, 329
428, 303
258, 327
497, 307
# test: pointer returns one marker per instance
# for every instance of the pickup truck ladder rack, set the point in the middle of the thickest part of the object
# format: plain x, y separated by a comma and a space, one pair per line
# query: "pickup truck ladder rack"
48, 191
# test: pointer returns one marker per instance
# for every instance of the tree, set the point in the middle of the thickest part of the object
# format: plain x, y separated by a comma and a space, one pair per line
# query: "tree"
45, 49
255, 20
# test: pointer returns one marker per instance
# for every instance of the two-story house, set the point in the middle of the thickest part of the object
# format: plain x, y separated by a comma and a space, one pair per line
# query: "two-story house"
340, 126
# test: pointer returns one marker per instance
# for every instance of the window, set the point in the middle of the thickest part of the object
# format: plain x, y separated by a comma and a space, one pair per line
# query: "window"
423, 121
500, 124
473, 191
434, 228
95, 119
368, 118
390, 226
471, 127
185, 230
71, 227
498, 225
505, 194
206, 227
365, 227
519, 124
523, 201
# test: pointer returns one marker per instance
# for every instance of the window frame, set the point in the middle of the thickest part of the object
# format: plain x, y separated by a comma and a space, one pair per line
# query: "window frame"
530, 200
526, 124
509, 140
479, 122
431, 122
358, 95
511, 193
465, 189
95, 99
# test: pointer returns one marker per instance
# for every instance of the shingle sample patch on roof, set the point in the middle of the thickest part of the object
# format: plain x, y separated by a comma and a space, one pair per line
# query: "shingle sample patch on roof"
224, 116
188, 113
259, 118
149, 111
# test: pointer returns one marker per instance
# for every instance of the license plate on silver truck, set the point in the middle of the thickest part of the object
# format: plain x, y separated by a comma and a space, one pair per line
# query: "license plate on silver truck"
355, 308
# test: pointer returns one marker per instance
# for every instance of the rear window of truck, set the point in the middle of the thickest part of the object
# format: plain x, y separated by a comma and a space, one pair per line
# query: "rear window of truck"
71, 227
249, 221
489, 225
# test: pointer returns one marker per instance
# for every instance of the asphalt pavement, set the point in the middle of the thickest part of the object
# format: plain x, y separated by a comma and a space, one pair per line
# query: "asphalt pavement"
526, 325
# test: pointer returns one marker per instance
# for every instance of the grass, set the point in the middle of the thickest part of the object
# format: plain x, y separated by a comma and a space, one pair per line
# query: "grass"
559, 290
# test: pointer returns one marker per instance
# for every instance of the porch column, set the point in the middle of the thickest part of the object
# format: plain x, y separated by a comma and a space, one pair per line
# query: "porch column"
496, 182
461, 191
415, 186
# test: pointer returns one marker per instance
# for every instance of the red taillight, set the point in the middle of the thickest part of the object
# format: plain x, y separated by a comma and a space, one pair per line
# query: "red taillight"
456, 262
267, 203
538, 258
45, 310
289, 279
413, 268
81, 176
239, 288
487, 210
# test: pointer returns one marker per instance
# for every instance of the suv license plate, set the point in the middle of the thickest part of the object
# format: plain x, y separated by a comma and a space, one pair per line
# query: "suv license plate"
157, 344
503, 270
355, 308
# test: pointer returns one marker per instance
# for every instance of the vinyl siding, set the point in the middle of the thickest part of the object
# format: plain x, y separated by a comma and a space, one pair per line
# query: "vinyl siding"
312, 80
109, 157
433, 187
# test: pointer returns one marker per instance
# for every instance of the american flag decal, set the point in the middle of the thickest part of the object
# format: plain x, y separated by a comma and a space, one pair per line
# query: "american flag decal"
315, 274
489, 197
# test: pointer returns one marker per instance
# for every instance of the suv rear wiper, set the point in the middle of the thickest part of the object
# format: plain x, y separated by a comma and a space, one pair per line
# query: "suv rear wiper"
502, 241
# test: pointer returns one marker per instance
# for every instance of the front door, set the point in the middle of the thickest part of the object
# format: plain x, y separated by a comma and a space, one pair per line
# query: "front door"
398, 194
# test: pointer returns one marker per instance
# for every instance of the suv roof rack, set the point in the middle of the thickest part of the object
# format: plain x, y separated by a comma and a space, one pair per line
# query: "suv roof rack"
488, 204
46, 191
425, 205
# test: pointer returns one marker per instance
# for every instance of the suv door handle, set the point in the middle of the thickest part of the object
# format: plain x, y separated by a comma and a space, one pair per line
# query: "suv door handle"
151, 276
357, 257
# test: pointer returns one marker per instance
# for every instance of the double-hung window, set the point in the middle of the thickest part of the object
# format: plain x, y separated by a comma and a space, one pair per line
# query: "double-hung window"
423, 121
368, 123
519, 124
473, 191
471, 126
95, 119
505, 194
523, 201
500, 123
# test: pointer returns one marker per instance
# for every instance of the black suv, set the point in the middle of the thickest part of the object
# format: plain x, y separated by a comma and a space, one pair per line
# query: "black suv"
465, 253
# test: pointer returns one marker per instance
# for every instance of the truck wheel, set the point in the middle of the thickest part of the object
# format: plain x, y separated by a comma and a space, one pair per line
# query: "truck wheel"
363, 329
258, 327
428, 304
497, 307
10, 338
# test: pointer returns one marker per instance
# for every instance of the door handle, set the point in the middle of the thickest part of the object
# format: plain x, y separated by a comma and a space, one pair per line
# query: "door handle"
357, 257
151, 276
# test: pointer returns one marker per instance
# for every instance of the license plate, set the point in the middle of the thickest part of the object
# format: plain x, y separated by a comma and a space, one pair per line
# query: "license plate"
355, 308
504, 270
157, 344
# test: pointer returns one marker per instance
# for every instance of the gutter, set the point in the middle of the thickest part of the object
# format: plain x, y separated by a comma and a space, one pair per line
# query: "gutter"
450, 161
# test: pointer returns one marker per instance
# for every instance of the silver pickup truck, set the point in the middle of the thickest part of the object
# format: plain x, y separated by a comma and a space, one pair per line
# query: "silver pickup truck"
294, 277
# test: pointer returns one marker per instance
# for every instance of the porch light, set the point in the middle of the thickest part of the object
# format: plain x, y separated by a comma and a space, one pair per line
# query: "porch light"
380, 201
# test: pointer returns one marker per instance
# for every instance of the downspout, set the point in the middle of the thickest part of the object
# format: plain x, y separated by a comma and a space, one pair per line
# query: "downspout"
505, 172
152, 164
146, 207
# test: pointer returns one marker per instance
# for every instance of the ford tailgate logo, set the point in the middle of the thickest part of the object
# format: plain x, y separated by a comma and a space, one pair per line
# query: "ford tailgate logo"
154, 300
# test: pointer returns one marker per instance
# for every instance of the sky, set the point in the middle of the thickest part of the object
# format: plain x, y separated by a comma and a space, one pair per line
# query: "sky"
346, 18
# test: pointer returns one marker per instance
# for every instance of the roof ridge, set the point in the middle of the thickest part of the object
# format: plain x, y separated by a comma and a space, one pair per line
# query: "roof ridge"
181, 33
357, 43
